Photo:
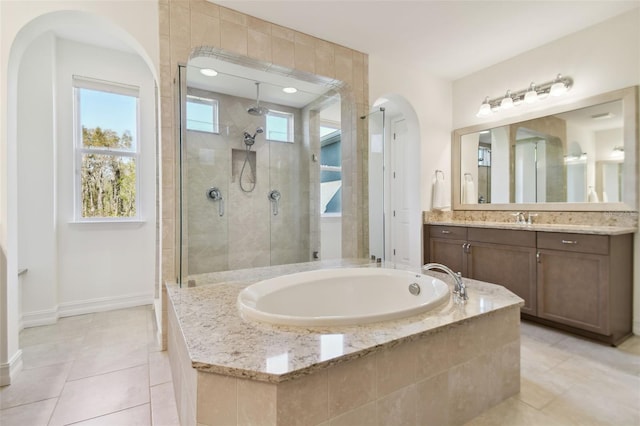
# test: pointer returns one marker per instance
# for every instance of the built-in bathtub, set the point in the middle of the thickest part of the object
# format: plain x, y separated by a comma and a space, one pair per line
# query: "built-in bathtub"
444, 366
342, 296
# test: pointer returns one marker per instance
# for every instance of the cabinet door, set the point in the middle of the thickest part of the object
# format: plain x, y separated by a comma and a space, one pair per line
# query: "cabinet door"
573, 289
448, 252
513, 267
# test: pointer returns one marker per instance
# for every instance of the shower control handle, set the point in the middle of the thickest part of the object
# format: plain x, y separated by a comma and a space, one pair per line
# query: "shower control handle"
214, 194
274, 197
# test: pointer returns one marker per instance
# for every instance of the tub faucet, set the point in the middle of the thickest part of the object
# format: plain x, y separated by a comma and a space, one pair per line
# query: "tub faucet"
460, 288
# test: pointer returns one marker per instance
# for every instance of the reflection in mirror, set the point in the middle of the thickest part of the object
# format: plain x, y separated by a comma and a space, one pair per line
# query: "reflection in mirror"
250, 133
576, 156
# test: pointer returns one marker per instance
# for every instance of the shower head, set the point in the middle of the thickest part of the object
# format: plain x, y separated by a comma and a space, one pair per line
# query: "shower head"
249, 139
257, 109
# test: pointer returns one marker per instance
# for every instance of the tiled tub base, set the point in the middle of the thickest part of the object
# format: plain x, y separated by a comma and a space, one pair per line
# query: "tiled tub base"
446, 377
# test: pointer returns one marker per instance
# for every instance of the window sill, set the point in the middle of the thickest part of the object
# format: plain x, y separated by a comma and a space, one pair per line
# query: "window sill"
331, 216
108, 221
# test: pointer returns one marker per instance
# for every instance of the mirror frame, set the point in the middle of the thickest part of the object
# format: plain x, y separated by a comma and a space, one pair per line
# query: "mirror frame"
629, 98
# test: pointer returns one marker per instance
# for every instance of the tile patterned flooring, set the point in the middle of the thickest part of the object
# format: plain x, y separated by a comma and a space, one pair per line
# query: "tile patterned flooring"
107, 369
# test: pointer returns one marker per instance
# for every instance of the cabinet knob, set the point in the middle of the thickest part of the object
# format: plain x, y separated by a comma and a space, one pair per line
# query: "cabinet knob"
538, 257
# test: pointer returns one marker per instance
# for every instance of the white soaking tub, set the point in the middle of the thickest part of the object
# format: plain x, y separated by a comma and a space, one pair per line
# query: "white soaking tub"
346, 296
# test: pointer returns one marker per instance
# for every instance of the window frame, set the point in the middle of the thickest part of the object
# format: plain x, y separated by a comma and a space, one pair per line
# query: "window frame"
290, 117
215, 104
79, 83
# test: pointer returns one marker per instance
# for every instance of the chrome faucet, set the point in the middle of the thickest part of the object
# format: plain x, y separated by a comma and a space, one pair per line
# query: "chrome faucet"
519, 217
460, 289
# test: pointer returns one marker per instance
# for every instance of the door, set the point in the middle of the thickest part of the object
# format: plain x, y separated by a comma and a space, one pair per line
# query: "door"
400, 203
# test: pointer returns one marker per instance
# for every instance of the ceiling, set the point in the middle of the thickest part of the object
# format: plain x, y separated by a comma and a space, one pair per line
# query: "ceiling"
447, 39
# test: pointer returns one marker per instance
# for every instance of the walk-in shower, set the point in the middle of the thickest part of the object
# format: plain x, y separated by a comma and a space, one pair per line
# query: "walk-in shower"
250, 175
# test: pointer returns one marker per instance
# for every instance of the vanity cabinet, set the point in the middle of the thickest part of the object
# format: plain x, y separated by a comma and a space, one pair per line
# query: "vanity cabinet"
504, 257
584, 281
578, 282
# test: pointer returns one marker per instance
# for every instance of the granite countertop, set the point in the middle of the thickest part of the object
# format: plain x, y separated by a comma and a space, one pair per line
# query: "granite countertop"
220, 341
546, 227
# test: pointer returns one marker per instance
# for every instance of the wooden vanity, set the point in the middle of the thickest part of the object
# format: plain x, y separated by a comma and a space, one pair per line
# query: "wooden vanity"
577, 281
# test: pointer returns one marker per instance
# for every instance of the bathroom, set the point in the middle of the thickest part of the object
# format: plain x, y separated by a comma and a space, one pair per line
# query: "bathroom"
435, 124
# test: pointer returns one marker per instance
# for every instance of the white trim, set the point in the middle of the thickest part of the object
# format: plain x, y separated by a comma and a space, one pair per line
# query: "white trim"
69, 309
38, 318
636, 327
9, 370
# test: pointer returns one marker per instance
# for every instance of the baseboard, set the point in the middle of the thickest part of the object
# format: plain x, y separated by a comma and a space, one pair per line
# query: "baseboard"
9, 370
37, 318
70, 309
636, 327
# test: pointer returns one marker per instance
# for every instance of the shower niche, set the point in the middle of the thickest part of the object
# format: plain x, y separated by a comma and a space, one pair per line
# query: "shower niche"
242, 134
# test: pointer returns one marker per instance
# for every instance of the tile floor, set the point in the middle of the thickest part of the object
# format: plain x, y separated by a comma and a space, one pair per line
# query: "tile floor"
98, 369
106, 369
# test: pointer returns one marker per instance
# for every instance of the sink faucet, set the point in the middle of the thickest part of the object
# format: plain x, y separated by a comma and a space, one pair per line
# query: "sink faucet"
519, 217
460, 288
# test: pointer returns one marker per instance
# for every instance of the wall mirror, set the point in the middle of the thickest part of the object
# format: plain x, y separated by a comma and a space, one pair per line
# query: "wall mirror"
578, 157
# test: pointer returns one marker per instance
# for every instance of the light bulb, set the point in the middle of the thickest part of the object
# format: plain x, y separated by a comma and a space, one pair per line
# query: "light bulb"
507, 101
558, 87
485, 108
208, 72
289, 90
531, 96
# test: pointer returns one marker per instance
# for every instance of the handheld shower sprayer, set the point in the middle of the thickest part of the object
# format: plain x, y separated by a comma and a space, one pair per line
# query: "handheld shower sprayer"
249, 140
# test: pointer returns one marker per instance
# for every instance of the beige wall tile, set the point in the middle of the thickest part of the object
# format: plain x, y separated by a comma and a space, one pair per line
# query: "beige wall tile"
233, 37
163, 19
351, 385
205, 8
344, 64
398, 408
282, 52
304, 57
179, 24
257, 403
205, 30
396, 368
233, 16
362, 416
217, 399
259, 45
432, 400
432, 355
259, 25
283, 32
325, 61
358, 74
304, 401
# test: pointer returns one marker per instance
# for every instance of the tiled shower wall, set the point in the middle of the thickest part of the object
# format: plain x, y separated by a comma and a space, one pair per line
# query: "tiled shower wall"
188, 24
248, 234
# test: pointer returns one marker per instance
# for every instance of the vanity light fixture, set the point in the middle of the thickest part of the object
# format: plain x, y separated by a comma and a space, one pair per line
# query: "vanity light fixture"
617, 152
289, 90
535, 92
208, 72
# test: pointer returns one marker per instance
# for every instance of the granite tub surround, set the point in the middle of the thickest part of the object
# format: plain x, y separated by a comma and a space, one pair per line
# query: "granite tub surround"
444, 367
603, 223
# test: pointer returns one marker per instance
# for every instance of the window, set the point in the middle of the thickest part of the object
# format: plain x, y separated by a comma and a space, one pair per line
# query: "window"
330, 172
106, 150
202, 114
280, 126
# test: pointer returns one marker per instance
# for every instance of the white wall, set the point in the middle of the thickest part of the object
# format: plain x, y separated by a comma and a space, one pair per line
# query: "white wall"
36, 180
600, 59
21, 22
104, 265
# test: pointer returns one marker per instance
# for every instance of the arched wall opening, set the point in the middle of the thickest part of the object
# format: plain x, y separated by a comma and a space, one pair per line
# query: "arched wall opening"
80, 30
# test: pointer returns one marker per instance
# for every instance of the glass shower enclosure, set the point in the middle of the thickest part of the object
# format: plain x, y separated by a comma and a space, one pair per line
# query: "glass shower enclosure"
249, 169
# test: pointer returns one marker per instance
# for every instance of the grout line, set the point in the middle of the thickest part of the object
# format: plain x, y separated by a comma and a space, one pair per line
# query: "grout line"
108, 414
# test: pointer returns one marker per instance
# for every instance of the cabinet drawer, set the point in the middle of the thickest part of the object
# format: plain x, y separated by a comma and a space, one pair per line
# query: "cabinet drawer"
450, 232
583, 243
502, 236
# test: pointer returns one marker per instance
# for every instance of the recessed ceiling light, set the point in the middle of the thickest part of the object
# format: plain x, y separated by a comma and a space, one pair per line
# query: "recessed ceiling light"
289, 90
208, 72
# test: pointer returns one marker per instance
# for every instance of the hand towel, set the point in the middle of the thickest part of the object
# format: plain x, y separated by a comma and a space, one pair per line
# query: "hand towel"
439, 196
468, 190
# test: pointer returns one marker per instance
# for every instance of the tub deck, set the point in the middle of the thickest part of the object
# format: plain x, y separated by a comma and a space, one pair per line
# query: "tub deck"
219, 340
